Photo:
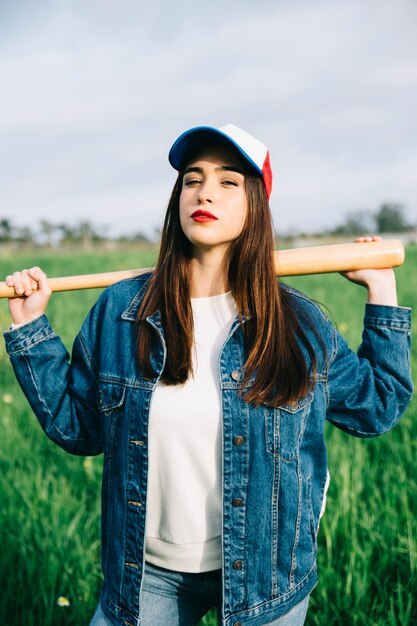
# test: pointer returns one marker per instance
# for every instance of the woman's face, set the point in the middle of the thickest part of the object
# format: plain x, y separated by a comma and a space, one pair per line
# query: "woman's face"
213, 201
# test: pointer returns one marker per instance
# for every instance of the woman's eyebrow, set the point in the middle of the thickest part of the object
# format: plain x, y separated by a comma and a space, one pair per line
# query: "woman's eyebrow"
230, 168
199, 170
220, 168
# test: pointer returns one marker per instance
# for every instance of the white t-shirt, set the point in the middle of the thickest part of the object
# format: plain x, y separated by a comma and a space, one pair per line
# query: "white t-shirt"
184, 517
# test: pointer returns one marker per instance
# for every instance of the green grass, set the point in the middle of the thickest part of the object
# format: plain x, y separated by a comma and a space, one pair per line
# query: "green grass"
49, 513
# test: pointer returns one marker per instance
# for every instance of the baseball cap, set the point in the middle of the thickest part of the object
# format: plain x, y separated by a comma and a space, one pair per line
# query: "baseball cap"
253, 151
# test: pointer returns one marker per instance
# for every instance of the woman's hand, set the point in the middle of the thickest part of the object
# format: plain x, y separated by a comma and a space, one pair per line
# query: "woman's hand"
34, 291
381, 284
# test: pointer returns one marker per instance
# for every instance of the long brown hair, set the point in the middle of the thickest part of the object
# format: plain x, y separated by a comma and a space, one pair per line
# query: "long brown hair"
271, 328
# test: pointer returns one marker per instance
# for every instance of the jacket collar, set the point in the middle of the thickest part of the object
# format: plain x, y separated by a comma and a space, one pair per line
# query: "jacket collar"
131, 313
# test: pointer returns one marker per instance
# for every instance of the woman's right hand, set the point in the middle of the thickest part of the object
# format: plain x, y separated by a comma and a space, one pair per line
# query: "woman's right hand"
34, 292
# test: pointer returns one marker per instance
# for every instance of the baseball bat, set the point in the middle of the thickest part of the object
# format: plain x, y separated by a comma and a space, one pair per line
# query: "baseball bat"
293, 262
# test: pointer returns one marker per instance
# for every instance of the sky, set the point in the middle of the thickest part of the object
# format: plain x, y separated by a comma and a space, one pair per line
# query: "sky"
94, 92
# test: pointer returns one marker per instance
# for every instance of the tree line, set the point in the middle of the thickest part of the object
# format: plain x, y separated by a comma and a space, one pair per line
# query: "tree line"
388, 218
47, 233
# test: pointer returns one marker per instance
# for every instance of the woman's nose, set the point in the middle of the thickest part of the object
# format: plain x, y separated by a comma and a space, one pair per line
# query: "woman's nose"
204, 194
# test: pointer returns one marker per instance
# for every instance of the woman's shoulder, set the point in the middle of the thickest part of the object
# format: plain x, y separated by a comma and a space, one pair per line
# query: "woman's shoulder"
123, 296
318, 327
300, 300
128, 286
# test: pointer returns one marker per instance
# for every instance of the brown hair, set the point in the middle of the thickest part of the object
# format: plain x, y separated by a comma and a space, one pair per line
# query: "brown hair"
271, 327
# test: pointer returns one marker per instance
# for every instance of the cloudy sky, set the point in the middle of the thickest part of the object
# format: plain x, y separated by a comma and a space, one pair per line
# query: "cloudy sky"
94, 92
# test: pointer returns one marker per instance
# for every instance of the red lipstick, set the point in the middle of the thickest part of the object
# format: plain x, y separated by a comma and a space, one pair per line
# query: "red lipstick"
203, 216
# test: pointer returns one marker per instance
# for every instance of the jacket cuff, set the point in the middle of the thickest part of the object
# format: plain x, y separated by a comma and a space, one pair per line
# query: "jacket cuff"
14, 326
395, 317
28, 335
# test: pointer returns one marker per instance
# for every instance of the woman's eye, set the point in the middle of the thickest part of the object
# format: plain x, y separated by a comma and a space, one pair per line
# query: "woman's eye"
191, 182
230, 183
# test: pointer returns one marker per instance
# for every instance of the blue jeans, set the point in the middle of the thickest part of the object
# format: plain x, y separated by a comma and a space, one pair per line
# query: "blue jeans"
181, 599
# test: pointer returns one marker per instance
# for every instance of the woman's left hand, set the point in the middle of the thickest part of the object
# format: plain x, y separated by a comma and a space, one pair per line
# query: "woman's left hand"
381, 284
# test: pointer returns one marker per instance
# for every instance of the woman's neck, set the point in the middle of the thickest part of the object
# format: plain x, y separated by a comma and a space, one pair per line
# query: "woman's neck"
208, 276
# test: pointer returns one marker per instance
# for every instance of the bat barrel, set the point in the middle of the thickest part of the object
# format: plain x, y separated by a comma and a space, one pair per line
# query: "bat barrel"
340, 258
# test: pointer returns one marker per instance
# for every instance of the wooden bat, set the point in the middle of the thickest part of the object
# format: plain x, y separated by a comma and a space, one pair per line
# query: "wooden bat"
315, 260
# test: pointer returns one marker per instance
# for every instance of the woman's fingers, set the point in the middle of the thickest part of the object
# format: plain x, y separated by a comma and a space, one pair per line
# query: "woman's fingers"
39, 278
33, 288
26, 281
367, 238
16, 280
21, 282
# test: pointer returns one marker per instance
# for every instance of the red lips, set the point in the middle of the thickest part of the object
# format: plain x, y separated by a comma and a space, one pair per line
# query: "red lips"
203, 216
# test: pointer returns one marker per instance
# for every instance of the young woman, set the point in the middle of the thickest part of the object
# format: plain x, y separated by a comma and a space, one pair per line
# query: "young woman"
207, 385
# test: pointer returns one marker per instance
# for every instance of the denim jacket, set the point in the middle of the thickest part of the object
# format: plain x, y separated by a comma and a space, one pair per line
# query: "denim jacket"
274, 459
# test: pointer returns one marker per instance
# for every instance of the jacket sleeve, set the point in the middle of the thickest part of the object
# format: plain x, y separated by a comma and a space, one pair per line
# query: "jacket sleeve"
369, 391
63, 395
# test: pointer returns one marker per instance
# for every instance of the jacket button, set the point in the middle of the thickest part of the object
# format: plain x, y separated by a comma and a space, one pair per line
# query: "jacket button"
238, 440
237, 502
235, 375
238, 564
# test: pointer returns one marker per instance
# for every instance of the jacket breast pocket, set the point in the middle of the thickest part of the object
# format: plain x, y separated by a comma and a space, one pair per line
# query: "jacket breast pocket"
284, 427
111, 401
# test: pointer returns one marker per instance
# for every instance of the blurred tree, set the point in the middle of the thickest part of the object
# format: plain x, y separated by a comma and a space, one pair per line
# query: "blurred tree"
6, 230
24, 235
137, 237
390, 219
88, 235
48, 233
68, 234
82, 233
356, 222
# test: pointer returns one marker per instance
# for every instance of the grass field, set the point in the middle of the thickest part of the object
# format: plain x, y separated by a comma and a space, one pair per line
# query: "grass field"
49, 513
